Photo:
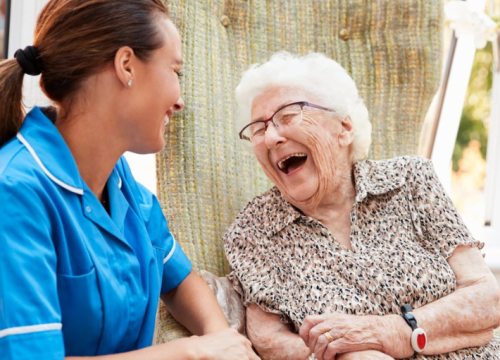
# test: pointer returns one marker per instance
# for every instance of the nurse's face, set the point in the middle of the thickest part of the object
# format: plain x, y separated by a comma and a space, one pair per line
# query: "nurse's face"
156, 93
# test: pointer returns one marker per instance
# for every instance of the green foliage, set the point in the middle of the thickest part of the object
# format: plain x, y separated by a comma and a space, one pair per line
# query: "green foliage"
475, 116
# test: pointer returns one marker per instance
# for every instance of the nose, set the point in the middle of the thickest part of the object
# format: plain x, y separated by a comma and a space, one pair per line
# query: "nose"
179, 105
272, 137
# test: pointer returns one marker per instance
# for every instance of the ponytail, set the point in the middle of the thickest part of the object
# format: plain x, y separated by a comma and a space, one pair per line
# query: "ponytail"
11, 97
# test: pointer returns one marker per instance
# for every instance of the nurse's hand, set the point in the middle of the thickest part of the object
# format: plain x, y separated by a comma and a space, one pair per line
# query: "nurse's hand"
227, 344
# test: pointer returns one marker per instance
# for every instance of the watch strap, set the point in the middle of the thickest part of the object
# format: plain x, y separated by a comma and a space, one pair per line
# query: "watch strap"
418, 336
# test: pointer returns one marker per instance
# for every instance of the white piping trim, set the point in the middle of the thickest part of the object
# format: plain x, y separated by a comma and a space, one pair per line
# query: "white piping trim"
47, 172
170, 253
119, 178
30, 329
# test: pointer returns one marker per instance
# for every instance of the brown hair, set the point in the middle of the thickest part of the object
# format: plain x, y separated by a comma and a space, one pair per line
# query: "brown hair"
76, 39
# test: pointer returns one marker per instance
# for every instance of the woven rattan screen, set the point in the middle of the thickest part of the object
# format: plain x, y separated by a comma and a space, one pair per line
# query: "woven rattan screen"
392, 49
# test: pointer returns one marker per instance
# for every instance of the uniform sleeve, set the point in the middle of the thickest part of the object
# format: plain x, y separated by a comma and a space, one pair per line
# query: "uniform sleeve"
30, 319
176, 265
436, 219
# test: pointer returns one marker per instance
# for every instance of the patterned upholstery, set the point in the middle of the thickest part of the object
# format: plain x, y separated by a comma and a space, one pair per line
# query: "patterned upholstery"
392, 49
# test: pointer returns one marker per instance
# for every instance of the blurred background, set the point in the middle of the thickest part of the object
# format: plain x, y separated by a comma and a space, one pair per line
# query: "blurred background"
469, 154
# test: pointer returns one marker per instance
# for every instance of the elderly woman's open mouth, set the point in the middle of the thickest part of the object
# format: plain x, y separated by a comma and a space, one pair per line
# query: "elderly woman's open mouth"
292, 162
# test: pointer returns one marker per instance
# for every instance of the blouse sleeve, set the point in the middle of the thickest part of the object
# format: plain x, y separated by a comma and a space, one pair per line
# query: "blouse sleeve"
438, 223
254, 274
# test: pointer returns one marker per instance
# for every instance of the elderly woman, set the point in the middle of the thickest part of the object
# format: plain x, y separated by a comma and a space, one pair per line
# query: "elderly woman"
348, 258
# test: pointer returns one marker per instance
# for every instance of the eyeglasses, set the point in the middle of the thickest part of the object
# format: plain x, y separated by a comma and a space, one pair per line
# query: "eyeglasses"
285, 117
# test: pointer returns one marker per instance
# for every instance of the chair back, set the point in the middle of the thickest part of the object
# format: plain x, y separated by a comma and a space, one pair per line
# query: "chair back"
392, 49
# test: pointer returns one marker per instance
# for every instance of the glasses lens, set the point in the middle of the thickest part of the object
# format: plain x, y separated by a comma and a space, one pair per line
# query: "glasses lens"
289, 115
255, 131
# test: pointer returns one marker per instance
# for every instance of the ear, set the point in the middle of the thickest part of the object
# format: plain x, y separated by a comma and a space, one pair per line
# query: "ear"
124, 60
346, 135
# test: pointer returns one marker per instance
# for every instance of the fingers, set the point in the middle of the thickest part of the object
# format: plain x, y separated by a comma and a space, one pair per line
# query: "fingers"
364, 355
329, 335
322, 345
251, 355
331, 351
321, 334
309, 323
342, 345
329, 344
241, 347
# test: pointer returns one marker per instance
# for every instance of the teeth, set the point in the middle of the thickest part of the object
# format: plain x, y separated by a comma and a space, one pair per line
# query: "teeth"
281, 163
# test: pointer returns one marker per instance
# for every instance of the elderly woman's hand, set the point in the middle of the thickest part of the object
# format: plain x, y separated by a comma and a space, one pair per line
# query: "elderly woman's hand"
365, 355
464, 318
329, 335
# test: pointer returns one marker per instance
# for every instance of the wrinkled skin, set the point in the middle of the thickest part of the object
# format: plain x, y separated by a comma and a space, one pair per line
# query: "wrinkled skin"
323, 189
325, 137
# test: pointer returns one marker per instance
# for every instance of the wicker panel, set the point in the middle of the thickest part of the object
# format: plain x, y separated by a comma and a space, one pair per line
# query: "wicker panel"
392, 49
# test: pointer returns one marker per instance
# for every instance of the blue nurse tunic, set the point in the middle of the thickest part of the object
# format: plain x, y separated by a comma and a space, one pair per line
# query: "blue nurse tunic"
74, 280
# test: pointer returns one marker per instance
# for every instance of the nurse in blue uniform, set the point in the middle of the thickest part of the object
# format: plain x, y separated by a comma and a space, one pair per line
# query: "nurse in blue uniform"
85, 251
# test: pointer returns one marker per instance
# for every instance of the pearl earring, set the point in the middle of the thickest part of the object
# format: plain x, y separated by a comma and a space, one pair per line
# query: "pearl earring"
129, 83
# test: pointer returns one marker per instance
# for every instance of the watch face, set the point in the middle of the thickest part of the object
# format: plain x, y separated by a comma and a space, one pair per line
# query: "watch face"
418, 340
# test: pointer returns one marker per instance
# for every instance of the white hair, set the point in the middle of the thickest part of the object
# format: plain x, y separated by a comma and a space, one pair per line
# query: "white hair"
318, 76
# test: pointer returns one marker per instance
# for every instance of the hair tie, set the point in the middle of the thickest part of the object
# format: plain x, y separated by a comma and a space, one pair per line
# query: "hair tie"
29, 59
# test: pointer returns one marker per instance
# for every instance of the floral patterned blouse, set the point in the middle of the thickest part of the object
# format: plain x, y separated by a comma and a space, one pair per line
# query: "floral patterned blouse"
403, 228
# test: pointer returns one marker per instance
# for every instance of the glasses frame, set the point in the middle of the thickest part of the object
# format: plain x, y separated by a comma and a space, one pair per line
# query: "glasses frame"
270, 119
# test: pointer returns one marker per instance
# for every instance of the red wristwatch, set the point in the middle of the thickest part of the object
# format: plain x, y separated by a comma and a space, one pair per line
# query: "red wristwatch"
418, 335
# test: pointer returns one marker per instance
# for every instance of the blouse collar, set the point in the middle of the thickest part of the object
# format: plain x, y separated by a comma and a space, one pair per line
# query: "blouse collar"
370, 177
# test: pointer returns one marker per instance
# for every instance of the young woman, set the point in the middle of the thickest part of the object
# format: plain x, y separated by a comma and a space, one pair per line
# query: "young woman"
85, 249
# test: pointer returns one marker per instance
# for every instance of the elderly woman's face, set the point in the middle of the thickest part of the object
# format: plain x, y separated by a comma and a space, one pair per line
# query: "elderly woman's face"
302, 156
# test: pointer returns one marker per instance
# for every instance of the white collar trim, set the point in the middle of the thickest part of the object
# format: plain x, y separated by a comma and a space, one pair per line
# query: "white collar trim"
44, 169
